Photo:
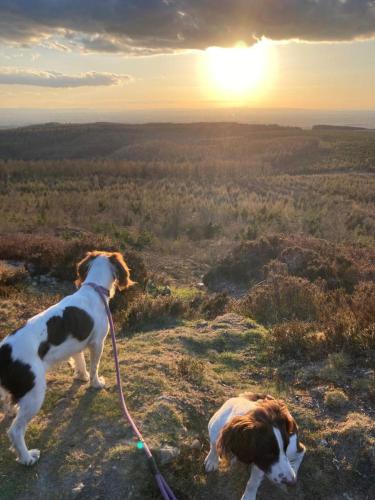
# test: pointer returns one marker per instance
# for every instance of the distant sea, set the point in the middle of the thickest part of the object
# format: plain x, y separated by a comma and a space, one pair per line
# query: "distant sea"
305, 118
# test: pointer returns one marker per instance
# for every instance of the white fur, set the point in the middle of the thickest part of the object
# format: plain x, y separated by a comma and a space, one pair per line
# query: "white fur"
285, 469
231, 408
282, 470
26, 341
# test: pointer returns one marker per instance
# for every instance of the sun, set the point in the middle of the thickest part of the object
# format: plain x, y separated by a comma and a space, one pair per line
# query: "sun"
239, 72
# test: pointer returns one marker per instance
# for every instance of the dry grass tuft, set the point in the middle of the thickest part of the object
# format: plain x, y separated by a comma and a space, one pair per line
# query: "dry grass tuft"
335, 399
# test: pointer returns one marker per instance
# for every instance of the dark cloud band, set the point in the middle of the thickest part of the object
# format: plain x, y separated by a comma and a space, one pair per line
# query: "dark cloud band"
149, 26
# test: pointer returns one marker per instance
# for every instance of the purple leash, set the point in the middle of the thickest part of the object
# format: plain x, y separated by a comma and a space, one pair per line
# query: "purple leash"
164, 488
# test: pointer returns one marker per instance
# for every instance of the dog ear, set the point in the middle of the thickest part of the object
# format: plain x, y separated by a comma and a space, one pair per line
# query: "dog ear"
289, 422
238, 437
291, 425
122, 271
82, 268
292, 428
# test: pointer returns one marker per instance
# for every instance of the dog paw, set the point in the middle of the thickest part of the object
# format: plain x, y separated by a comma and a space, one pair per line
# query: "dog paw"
31, 459
83, 377
98, 383
211, 464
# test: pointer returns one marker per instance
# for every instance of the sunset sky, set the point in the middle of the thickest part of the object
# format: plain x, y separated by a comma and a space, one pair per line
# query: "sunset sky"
150, 54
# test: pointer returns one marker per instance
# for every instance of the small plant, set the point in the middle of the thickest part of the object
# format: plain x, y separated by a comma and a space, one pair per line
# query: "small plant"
335, 399
10, 275
349, 320
334, 367
283, 298
214, 305
298, 339
191, 369
49, 253
365, 386
147, 312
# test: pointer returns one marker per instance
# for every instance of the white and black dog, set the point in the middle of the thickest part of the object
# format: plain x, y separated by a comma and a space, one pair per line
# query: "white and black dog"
64, 330
258, 430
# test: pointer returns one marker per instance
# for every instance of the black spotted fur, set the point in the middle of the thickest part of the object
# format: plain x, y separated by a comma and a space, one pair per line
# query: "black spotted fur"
15, 376
74, 321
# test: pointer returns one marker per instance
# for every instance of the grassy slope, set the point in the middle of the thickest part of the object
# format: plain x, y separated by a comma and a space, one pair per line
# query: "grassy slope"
174, 379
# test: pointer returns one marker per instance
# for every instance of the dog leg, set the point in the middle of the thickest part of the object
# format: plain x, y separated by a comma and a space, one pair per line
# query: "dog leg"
96, 350
211, 462
256, 477
80, 371
29, 406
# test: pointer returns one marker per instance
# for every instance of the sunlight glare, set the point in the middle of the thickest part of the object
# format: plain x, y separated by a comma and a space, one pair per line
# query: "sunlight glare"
240, 71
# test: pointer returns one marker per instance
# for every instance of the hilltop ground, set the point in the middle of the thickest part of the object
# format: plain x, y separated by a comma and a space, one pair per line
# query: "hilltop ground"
174, 379
264, 236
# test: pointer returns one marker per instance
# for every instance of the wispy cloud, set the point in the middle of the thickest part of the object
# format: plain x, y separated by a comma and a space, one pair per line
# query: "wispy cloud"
148, 26
16, 76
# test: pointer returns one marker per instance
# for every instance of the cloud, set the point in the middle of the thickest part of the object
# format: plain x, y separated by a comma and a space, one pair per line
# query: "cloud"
16, 76
149, 26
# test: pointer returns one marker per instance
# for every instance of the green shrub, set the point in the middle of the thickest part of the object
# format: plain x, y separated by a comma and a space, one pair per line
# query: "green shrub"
283, 298
146, 312
10, 275
313, 259
298, 339
47, 253
214, 305
349, 320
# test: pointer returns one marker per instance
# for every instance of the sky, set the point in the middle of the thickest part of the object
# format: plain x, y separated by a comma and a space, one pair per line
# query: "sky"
118, 55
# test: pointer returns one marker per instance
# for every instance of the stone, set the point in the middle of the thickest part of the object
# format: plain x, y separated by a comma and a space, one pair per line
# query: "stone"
196, 445
167, 454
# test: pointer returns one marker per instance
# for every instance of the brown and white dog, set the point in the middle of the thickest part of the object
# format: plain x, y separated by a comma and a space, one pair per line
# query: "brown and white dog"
77, 322
257, 430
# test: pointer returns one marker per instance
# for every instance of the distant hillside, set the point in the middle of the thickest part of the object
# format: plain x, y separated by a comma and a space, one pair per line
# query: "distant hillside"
101, 140
339, 127
260, 148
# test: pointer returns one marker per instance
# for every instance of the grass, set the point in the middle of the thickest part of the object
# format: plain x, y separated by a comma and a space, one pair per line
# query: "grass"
174, 379
185, 293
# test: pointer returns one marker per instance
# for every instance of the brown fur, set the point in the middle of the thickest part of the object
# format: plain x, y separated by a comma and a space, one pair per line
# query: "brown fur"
122, 270
250, 437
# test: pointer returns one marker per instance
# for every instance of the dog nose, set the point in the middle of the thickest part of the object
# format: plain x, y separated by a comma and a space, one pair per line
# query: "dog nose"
289, 482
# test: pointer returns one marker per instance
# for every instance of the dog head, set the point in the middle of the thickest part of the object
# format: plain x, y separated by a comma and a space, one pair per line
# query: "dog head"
116, 265
262, 436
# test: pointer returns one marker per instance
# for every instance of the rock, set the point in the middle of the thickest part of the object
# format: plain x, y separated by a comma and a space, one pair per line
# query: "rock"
324, 442
196, 445
167, 454
77, 489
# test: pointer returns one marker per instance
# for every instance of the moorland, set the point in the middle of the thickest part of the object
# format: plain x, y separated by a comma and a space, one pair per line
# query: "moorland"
253, 251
